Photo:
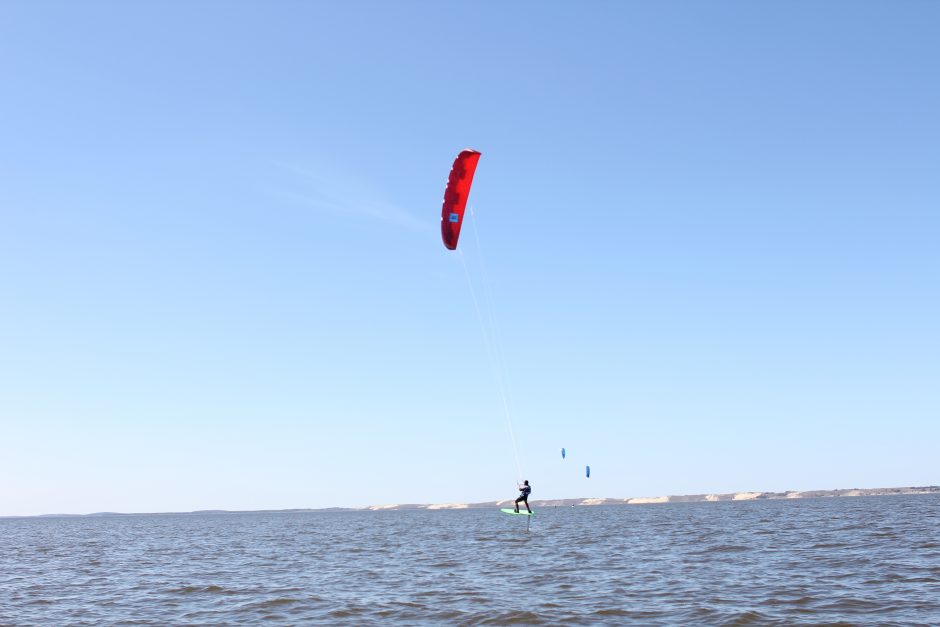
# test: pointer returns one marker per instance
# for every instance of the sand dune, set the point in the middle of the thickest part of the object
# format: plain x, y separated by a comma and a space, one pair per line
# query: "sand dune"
644, 500
687, 498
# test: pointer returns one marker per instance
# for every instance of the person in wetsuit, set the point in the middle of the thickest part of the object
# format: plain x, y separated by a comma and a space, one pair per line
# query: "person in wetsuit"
524, 491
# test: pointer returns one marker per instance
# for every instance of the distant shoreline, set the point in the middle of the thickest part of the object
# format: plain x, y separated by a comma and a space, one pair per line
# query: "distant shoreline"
580, 502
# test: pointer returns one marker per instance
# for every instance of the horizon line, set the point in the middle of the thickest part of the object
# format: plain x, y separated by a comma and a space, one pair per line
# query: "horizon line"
573, 502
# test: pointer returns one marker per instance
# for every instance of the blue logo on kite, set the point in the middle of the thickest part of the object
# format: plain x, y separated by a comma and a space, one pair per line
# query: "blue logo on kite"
454, 217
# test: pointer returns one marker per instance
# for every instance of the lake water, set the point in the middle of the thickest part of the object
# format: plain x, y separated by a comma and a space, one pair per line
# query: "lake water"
854, 560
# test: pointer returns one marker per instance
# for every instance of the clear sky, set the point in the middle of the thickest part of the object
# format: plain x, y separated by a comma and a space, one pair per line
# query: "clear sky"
710, 232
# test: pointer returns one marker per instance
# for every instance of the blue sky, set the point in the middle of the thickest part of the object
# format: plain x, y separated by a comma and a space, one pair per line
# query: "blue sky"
709, 232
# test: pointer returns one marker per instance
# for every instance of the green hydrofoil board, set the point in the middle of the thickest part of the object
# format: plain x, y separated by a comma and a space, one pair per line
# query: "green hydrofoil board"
513, 512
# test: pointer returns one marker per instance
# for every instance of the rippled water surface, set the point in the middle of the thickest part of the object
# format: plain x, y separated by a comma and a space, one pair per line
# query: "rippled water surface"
854, 560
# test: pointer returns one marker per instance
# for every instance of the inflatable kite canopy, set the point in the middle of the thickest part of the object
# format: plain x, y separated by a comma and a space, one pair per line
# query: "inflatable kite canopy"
455, 196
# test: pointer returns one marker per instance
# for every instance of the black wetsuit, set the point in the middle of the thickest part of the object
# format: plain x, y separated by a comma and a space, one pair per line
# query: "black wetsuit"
524, 497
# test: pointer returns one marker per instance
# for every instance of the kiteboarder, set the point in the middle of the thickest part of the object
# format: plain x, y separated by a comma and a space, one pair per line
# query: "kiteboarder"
524, 491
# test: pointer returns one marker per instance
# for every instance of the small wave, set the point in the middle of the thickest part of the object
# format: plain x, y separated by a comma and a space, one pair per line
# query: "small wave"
854, 604
277, 602
748, 618
723, 548
345, 612
409, 604
197, 589
885, 535
921, 580
612, 611
804, 600
513, 618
